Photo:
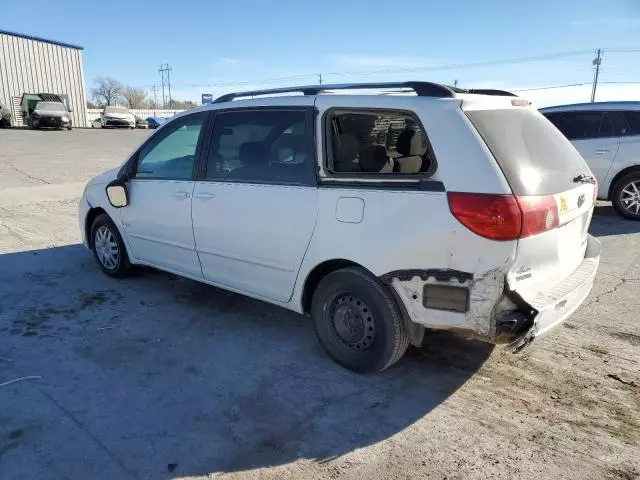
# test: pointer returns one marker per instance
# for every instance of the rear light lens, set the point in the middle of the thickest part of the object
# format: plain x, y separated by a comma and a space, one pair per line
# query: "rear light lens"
539, 214
496, 217
504, 217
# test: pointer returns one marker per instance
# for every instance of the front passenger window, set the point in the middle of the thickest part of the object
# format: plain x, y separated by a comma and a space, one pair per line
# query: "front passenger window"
173, 155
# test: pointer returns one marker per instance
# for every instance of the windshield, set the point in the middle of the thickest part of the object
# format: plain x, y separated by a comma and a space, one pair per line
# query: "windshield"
534, 156
51, 106
115, 110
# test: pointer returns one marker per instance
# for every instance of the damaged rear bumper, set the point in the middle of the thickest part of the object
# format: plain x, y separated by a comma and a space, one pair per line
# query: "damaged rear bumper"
483, 306
552, 307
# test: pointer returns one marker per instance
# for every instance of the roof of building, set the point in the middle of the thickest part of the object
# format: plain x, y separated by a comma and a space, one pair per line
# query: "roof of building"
39, 39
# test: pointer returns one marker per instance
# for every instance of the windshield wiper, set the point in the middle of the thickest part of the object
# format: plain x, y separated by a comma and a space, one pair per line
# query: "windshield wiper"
583, 178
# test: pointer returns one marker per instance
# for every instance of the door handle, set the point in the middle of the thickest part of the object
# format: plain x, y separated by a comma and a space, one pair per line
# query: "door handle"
181, 194
205, 195
601, 152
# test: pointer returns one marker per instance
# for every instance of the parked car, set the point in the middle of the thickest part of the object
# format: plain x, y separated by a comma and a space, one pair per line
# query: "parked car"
377, 215
45, 110
117, 117
607, 135
155, 122
141, 122
5, 117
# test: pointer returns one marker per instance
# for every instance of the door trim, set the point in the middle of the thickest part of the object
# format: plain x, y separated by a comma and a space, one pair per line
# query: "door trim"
283, 267
161, 241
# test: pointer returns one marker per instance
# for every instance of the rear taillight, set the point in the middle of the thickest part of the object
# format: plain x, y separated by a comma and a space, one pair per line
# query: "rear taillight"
539, 214
492, 216
503, 217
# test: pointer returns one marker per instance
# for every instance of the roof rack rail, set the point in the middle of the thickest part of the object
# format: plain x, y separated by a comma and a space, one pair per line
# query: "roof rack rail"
422, 89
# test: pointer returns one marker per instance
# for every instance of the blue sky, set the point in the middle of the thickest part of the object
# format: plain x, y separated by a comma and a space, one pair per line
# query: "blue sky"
210, 42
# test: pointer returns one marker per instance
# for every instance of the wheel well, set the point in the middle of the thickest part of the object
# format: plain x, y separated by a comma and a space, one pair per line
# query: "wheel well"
318, 273
91, 216
619, 175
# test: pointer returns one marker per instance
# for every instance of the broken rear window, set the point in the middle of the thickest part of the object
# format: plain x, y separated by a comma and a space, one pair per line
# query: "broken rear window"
383, 142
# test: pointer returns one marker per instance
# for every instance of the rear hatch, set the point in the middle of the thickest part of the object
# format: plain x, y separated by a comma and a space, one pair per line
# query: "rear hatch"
544, 171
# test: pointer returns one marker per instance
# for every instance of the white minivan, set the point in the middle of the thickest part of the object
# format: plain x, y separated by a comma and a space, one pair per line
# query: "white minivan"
379, 216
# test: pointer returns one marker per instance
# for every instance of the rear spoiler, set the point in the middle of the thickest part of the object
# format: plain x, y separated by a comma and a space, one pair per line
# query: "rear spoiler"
483, 91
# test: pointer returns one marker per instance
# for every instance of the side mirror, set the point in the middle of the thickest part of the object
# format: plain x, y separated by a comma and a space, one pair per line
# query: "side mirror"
117, 193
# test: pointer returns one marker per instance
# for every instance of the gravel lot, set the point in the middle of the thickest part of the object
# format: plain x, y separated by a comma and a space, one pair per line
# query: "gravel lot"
161, 377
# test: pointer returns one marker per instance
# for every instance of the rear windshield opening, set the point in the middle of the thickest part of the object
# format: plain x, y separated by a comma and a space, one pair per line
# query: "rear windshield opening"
382, 142
534, 156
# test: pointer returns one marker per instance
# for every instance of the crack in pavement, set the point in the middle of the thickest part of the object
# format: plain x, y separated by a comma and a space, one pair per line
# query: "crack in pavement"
25, 173
93, 437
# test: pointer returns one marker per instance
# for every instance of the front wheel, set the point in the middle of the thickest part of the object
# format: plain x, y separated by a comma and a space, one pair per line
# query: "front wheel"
358, 322
626, 196
108, 248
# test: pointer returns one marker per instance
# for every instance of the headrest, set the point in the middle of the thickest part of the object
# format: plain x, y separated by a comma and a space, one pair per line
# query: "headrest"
373, 158
411, 142
348, 148
253, 153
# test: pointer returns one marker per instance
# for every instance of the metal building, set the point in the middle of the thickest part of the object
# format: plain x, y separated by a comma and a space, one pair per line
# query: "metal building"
36, 65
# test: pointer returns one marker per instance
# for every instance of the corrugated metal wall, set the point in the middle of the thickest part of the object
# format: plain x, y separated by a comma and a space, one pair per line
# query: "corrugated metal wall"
33, 66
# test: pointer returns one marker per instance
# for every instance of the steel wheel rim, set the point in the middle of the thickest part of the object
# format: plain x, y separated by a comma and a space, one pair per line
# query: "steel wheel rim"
107, 249
352, 322
630, 197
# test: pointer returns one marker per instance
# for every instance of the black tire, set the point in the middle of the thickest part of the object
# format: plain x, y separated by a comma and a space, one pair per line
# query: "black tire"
618, 191
69, 128
121, 267
358, 322
35, 125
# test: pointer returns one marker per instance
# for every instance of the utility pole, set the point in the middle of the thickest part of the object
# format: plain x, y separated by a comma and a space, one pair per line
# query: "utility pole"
320, 79
596, 62
165, 74
455, 82
154, 89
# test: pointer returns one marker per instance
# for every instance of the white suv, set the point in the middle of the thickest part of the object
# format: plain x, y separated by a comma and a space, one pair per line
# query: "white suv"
607, 135
377, 215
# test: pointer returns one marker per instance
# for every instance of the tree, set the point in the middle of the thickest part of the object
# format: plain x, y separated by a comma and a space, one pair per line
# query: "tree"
135, 97
107, 90
180, 105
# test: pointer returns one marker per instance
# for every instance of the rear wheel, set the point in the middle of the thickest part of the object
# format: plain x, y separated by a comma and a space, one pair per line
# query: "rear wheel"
358, 321
626, 196
108, 248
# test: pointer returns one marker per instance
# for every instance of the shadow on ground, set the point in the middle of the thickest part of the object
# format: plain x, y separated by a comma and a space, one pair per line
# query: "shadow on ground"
606, 221
157, 375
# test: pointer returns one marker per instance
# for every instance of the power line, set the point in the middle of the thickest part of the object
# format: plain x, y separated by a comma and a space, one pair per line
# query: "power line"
488, 63
569, 85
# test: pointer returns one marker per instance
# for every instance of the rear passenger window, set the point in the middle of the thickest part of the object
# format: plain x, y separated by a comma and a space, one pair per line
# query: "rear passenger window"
262, 146
377, 142
633, 119
582, 125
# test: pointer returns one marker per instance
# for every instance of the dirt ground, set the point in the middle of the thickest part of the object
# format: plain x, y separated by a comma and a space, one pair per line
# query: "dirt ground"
161, 377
